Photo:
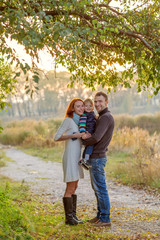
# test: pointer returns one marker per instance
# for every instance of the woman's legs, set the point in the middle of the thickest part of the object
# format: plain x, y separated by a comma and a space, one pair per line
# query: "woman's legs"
68, 202
70, 188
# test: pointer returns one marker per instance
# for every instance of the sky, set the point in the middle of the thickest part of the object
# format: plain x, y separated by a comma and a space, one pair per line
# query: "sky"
46, 61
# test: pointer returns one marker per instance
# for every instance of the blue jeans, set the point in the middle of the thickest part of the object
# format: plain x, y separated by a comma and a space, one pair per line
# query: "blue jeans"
98, 183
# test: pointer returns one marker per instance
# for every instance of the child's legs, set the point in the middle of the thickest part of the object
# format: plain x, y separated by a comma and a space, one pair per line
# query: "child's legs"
87, 152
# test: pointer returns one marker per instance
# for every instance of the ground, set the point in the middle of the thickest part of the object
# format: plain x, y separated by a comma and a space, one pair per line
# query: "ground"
133, 211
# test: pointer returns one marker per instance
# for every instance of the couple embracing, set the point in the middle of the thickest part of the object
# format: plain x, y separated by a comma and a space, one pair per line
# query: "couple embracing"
95, 160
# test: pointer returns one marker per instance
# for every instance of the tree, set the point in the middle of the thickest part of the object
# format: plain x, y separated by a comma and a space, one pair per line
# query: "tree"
7, 83
87, 36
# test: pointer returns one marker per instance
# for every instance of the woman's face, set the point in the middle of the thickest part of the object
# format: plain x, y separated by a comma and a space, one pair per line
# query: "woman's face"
79, 107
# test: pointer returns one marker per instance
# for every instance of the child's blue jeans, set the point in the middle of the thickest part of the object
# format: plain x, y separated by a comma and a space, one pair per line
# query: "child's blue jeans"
88, 150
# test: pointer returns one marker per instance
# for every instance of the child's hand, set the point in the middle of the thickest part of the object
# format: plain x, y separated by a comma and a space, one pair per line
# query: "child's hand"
86, 135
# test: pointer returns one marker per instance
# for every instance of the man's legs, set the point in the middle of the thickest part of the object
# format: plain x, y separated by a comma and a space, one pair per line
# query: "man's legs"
98, 183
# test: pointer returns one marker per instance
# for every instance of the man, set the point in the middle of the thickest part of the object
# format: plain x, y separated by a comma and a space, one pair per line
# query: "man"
100, 139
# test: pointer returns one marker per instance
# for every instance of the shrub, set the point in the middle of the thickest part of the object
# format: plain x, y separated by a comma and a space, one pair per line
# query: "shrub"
124, 120
143, 166
13, 136
30, 133
41, 128
126, 139
38, 141
26, 123
53, 125
149, 122
147, 160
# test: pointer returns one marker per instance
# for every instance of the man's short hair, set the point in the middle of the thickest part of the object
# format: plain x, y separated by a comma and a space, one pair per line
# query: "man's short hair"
102, 94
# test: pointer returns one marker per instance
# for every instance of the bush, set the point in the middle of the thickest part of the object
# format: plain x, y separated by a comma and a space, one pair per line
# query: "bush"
127, 139
41, 128
30, 133
149, 122
122, 121
53, 125
38, 141
26, 123
14, 136
143, 166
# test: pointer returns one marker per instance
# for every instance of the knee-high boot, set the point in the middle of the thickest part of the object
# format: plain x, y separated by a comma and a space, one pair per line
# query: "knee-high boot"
68, 208
74, 197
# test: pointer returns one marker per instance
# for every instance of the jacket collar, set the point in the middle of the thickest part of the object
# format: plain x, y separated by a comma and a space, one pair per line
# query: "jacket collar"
103, 111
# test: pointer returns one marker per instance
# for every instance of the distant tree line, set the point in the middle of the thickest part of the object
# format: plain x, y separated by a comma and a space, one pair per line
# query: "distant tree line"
53, 97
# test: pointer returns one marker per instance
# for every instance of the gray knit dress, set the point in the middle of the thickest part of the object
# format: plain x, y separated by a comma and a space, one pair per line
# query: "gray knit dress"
72, 153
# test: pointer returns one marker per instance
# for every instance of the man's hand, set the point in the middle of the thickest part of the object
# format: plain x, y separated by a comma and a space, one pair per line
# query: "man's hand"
86, 135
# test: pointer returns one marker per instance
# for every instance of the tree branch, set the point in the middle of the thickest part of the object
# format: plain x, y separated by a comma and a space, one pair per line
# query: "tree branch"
104, 44
137, 36
89, 19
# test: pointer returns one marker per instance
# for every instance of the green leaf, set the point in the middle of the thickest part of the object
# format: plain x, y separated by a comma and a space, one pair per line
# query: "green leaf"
18, 74
28, 91
35, 78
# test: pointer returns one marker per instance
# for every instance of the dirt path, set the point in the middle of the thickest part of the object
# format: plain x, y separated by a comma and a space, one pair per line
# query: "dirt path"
45, 178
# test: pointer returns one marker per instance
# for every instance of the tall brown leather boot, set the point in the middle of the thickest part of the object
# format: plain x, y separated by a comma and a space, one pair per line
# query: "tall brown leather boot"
68, 208
74, 197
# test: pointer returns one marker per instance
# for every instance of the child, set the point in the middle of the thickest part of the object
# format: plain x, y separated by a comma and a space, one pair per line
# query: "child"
87, 123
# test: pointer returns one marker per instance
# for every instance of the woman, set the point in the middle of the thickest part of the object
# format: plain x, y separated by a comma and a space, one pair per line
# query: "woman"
69, 132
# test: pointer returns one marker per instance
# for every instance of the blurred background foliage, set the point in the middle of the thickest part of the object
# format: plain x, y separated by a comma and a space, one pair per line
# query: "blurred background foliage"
134, 153
30, 123
53, 96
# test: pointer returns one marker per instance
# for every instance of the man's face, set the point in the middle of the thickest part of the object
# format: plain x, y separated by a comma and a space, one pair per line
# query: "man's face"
100, 103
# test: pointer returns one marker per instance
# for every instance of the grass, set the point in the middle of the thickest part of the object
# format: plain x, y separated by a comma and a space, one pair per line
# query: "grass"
47, 154
28, 217
24, 216
2, 162
3, 159
134, 153
116, 162
121, 168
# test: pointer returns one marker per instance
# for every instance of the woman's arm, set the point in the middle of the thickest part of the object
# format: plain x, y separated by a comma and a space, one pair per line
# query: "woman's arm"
74, 135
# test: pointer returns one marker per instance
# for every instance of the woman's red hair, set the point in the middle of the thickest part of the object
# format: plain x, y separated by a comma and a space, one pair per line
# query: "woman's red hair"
70, 108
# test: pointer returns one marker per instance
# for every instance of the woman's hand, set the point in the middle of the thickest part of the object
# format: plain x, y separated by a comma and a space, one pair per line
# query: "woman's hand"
78, 135
72, 136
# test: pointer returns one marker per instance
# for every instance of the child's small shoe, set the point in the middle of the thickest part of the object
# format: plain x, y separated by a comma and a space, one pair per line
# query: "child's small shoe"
84, 164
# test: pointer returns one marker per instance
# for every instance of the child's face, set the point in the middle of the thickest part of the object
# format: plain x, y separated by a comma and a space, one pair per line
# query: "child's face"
88, 107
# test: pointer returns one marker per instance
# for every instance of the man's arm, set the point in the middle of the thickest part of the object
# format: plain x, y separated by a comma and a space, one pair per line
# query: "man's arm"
101, 128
